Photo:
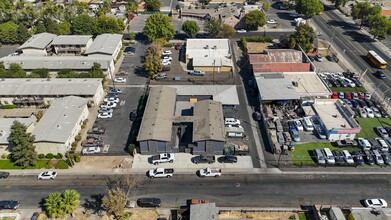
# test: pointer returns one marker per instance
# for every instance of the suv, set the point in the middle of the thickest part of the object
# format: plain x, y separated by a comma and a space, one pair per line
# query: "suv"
204, 159
161, 76
9, 204
149, 202
97, 130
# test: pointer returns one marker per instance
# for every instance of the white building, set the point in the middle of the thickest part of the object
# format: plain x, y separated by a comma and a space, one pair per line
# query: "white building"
105, 45
37, 44
60, 124
71, 44
38, 92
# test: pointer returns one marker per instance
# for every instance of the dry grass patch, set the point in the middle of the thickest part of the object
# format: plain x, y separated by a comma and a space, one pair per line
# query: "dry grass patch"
256, 215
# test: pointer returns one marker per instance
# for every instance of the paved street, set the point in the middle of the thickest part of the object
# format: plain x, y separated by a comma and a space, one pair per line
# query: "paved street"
229, 190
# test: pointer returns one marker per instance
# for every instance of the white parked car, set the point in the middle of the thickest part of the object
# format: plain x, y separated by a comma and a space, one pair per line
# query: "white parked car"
109, 105
105, 115
167, 52
231, 121
375, 203
91, 150
363, 113
120, 80
166, 63
369, 112
376, 112
348, 157
241, 31
111, 99
367, 95
101, 110
167, 58
48, 175
271, 21
299, 125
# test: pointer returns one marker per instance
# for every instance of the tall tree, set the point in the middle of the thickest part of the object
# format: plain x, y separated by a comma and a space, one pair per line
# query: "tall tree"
363, 10
309, 8
226, 31
51, 26
213, 26
40, 28
64, 28
159, 26
22, 149
15, 71
153, 63
9, 33
379, 26
152, 5
304, 37
254, 19
114, 202
266, 6
54, 205
190, 27
70, 199
23, 33
84, 25
41, 72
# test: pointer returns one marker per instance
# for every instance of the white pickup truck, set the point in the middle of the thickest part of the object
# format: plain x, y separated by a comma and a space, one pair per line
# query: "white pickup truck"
208, 172
163, 158
161, 172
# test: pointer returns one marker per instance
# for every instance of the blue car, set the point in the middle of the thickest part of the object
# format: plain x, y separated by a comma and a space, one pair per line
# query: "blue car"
295, 135
380, 74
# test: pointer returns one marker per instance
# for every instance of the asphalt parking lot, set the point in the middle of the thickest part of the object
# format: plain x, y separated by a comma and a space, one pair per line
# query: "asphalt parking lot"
119, 126
282, 17
133, 65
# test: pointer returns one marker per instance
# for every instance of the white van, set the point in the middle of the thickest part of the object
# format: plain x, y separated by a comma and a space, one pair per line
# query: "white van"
308, 126
329, 156
378, 158
348, 157
232, 121
364, 144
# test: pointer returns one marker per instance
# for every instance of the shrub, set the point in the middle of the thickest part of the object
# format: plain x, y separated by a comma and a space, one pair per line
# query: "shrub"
132, 35
78, 137
85, 122
62, 164
77, 158
49, 156
168, 44
131, 148
8, 106
69, 162
74, 144
83, 126
41, 156
48, 166
59, 156
3, 156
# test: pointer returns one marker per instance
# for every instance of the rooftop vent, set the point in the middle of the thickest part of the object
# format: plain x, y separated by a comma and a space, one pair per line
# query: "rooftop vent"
215, 47
58, 126
206, 47
295, 83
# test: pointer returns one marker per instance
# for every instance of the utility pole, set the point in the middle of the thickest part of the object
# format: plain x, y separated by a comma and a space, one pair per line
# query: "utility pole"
214, 64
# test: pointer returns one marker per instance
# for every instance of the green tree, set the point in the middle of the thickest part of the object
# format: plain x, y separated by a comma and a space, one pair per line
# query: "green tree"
190, 27
132, 7
54, 205
9, 33
226, 31
379, 26
114, 202
266, 6
108, 25
339, 3
153, 63
22, 149
64, 28
51, 26
23, 33
304, 37
70, 199
159, 26
16, 71
40, 28
213, 26
254, 19
309, 8
41, 72
84, 25
363, 10
152, 5
177, 7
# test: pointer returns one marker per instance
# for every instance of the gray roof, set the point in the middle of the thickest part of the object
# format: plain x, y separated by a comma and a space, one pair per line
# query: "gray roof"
104, 44
5, 127
276, 88
59, 120
56, 62
226, 94
72, 86
71, 39
38, 41
209, 121
158, 115
207, 211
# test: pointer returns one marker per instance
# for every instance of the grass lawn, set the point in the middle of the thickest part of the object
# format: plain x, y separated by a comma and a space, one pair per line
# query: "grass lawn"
368, 125
302, 216
348, 89
301, 154
8, 165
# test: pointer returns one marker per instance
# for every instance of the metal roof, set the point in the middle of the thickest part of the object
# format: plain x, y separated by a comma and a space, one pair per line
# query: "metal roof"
5, 127
277, 56
276, 88
38, 41
71, 39
158, 114
104, 44
209, 121
57, 62
59, 120
52, 87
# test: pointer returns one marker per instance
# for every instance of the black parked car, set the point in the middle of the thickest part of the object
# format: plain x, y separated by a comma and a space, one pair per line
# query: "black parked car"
338, 157
346, 143
369, 103
357, 157
357, 82
368, 158
133, 115
354, 103
228, 159
204, 159
257, 116
362, 103
149, 202
9, 204
4, 175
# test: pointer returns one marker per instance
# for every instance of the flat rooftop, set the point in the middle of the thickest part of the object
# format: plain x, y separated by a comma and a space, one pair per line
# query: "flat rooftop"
334, 115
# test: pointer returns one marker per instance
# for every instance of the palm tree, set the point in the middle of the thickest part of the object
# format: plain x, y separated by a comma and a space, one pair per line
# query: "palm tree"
70, 200
54, 205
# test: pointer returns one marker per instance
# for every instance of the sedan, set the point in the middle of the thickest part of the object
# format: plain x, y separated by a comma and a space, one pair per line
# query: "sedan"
241, 31
381, 132
91, 150
341, 95
9, 204
376, 112
149, 202
105, 115
114, 91
361, 95
167, 52
120, 80
295, 135
271, 21
4, 175
111, 99
167, 58
228, 159
166, 63
109, 110
48, 175
375, 203
357, 157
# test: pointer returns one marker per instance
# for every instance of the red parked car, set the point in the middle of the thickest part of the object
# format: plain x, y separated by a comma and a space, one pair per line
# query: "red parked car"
334, 95
361, 95
348, 95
